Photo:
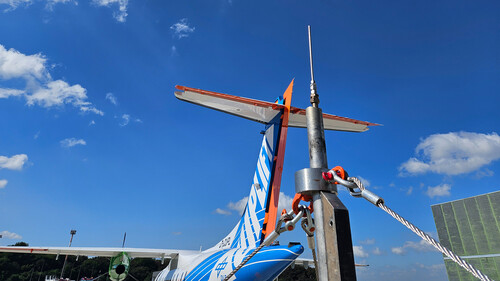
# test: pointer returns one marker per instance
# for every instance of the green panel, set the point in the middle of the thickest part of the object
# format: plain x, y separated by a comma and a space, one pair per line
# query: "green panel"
477, 264
465, 275
471, 227
476, 226
449, 217
495, 204
489, 268
489, 222
497, 264
464, 228
441, 226
452, 270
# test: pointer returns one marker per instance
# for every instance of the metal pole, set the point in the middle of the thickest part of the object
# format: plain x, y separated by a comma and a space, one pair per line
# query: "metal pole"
314, 95
72, 232
333, 232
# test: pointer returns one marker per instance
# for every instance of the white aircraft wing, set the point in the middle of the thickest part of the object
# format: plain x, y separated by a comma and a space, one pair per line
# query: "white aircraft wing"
98, 252
263, 112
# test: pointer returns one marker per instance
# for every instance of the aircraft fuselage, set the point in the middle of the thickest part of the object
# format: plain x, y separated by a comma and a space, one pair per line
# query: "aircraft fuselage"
215, 265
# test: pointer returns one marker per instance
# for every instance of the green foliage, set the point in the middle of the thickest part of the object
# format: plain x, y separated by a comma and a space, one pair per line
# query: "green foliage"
298, 273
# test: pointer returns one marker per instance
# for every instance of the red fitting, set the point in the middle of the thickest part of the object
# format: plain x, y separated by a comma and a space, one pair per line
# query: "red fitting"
327, 176
340, 172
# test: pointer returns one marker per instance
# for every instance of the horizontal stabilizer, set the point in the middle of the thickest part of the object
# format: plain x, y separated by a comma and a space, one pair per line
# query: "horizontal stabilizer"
263, 112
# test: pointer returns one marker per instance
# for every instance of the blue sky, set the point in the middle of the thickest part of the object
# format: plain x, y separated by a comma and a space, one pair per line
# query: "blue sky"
92, 137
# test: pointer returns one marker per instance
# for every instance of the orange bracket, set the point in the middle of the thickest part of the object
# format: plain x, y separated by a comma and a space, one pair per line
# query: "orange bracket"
301, 197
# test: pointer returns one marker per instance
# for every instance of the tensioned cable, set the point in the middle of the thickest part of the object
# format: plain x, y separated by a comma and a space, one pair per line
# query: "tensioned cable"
454, 257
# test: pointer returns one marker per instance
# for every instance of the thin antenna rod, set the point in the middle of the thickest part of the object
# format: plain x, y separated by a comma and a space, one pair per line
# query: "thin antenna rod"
124, 237
314, 95
310, 53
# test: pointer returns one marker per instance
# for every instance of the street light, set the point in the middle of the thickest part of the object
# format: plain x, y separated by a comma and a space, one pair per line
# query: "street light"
72, 232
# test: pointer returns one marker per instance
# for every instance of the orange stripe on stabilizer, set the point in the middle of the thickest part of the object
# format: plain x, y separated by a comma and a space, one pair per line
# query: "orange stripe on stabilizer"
278, 168
231, 97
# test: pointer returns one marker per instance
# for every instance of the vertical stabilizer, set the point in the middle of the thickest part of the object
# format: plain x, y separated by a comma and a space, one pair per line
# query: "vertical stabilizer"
259, 217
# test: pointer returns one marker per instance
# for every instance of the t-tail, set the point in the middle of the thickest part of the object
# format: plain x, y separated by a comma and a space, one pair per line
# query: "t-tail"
259, 218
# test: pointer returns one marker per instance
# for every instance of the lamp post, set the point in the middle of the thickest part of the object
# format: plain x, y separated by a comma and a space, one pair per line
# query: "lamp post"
72, 232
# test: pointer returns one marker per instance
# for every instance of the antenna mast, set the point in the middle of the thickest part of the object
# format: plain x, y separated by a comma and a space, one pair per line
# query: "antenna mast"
333, 231
314, 93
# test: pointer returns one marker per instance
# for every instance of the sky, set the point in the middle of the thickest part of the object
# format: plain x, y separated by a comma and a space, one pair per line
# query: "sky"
93, 139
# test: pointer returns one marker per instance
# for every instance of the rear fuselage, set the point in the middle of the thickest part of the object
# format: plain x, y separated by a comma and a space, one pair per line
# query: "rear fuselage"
211, 265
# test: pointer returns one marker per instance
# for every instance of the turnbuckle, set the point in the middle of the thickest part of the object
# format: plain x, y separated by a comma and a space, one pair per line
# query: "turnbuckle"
308, 226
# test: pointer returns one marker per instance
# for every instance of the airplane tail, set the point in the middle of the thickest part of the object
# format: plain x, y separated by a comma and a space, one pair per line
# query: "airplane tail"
259, 218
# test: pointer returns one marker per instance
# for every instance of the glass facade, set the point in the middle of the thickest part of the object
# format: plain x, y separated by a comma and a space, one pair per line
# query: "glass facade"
470, 227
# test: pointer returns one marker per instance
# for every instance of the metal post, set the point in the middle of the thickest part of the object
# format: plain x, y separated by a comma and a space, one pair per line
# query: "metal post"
72, 232
333, 232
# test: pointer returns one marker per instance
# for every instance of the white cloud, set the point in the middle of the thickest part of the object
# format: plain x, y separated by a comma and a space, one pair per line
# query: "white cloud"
112, 99
439, 266
91, 123
70, 142
40, 88
238, 206
57, 93
409, 191
222, 212
173, 51
377, 251
182, 28
484, 173
406, 272
453, 153
14, 64
364, 181
359, 252
3, 183
368, 241
15, 162
10, 235
398, 250
125, 120
6, 93
13, 4
285, 202
51, 3
421, 246
121, 14
438, 191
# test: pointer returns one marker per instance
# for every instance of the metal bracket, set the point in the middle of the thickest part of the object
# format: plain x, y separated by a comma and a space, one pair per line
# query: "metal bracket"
310, 179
